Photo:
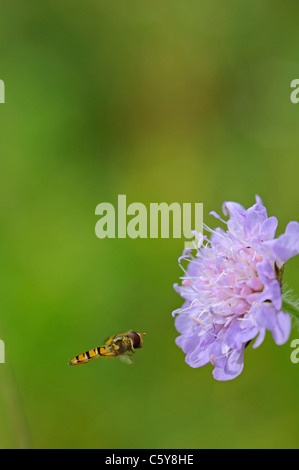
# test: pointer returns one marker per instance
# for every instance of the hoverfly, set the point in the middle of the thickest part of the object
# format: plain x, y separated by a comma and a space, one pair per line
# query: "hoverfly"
122, 345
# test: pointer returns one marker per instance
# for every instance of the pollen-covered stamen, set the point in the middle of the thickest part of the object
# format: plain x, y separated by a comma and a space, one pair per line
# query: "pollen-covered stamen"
197, 320
230, 280
205, 327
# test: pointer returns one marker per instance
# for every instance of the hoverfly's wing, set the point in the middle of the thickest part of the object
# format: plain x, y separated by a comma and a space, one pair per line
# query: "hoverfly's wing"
125, 360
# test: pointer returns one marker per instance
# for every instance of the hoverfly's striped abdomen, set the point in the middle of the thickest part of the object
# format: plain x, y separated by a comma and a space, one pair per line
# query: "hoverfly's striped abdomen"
89, 355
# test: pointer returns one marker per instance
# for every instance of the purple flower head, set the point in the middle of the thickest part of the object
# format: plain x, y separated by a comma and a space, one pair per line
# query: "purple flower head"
232, 289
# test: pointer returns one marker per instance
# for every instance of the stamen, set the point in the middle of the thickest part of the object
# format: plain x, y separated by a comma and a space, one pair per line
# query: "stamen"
217, 232
217, 216
198, 321
213, 358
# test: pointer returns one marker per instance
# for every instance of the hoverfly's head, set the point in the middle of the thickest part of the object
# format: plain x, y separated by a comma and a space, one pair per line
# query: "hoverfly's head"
136, 339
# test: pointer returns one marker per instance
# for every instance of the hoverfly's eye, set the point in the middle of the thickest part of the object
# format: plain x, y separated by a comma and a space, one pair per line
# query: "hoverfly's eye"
136, 339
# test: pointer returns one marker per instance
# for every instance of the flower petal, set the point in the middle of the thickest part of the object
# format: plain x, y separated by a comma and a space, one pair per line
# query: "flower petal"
282, 330
240, 332
260, 338
233, 368
287, 245
268, 229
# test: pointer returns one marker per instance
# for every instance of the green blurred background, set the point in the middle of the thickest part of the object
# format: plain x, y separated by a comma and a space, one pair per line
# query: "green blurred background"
161, 100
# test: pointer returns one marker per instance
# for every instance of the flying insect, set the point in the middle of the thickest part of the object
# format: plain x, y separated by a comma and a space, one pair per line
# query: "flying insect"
122, 345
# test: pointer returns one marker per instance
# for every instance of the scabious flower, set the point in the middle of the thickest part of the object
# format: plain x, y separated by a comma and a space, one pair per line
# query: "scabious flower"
232, 289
